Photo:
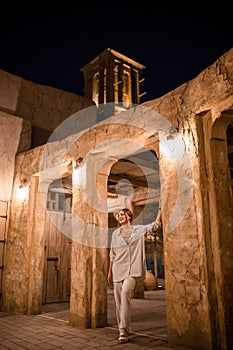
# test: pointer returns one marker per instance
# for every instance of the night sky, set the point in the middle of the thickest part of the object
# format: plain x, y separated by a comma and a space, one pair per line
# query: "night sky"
49, 46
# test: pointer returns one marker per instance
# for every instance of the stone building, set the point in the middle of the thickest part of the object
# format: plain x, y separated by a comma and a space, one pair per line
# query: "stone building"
63, 171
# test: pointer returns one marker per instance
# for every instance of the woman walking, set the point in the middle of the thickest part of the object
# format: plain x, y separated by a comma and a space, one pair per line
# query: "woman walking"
127, 263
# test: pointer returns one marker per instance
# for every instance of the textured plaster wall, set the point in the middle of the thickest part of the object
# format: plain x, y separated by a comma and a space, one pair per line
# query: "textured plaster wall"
44, 106
192, 253
10, 131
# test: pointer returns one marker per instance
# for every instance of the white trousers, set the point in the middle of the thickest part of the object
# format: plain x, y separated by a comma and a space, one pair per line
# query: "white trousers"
122, 295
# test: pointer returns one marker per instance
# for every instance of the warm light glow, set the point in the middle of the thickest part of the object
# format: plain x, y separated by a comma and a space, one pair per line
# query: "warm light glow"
22, 193
172, 147
79, 175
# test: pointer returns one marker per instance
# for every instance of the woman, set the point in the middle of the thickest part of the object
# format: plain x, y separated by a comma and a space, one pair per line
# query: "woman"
127, 263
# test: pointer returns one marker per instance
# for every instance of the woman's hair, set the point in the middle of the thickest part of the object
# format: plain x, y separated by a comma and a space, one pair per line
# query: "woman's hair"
126, 211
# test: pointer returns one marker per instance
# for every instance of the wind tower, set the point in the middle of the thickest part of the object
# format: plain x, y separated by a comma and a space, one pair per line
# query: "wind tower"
113, 77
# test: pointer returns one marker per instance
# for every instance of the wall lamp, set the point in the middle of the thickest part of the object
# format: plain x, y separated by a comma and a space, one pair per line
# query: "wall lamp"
23, 183
77, 163
172, 132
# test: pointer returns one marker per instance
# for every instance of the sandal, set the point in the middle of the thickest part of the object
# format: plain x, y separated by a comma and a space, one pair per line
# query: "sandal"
122, 338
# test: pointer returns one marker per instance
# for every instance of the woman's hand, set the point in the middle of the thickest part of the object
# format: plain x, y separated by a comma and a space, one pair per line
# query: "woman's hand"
109, 277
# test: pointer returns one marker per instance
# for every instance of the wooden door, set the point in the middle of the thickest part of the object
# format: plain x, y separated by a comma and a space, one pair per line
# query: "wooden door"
56, 286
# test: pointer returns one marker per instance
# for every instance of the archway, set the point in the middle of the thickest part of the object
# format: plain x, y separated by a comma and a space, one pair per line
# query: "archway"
104, 145
128, 187
221, 215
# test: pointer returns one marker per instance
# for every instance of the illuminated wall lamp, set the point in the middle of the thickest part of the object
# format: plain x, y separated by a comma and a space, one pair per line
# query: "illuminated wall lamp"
172, 132
23, 183
77, 163
171, 138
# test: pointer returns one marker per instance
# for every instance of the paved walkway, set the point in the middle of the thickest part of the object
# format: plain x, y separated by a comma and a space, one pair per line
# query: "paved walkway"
51, 330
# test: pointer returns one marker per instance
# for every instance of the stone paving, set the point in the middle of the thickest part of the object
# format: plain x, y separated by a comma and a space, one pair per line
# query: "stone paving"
51, 330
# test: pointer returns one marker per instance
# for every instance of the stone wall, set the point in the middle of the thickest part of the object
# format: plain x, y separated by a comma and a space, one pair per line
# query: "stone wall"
44, 106
11, 128
198, 253
29, 113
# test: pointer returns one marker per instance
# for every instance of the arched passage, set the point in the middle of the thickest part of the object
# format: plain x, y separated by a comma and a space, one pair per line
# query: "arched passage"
90, 215
128, 187
219, 164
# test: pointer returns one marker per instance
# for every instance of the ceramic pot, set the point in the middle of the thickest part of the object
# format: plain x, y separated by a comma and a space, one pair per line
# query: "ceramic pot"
149, 281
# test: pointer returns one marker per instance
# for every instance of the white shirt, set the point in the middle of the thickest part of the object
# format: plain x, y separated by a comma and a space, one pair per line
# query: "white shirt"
129, 258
